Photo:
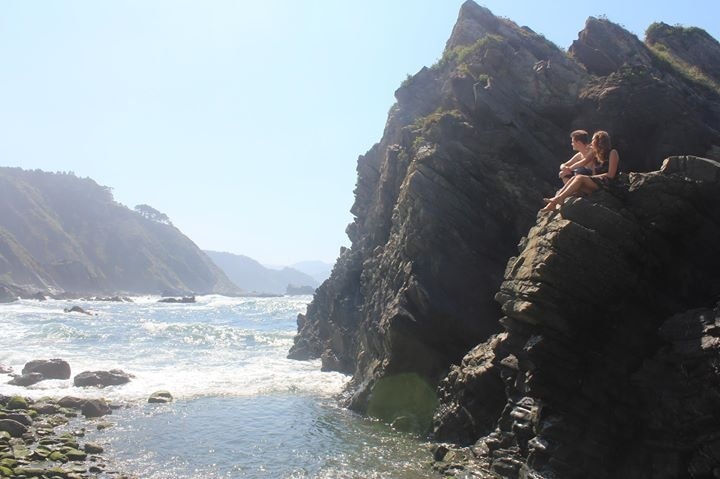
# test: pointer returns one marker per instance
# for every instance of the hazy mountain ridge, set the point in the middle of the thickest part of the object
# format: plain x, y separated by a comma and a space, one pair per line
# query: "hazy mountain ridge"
250, 275
60, 233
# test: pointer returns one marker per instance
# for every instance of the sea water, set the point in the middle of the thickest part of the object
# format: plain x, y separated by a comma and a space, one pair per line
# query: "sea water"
240, 409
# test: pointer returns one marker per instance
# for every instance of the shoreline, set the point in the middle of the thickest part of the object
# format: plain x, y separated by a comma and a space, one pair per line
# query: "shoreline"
44, 438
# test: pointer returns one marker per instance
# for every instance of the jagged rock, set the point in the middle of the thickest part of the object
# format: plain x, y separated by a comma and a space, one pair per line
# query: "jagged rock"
49, 368
596, 379
469, 149
114, 377
693, 46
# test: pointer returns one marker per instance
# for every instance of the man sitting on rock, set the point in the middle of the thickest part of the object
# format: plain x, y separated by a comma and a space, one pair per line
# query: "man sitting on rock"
582, 162
604, 172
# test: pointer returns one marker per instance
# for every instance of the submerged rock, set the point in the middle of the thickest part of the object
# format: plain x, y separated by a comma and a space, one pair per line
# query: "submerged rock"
26, 379
77, 309
160, 397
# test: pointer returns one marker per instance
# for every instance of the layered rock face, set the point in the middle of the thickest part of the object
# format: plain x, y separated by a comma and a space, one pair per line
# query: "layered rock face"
608, 363
469, 149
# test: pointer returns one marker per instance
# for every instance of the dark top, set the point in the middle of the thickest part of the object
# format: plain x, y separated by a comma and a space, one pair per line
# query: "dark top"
601, 168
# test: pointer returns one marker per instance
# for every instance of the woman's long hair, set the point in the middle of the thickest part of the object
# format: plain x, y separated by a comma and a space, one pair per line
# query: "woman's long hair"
601, 146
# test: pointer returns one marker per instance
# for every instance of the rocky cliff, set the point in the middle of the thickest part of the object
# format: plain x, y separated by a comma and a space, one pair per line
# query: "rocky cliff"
469, 149
60, 233
608, 362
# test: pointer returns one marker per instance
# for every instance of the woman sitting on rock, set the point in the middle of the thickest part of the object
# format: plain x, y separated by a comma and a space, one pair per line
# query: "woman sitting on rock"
605, 169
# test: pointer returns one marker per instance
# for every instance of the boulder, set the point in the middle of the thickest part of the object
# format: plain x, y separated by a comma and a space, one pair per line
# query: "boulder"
92, 448
71, 402
160, 397
49, 368
95, 408
26, 379
101, 379
17, 402
14, 428
20, 417
45, 408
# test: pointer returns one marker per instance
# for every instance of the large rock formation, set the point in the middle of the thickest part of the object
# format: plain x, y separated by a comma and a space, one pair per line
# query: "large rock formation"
608, 365
469, 149
60, 233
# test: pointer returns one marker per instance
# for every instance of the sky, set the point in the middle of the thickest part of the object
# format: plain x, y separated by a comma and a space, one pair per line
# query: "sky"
241, 120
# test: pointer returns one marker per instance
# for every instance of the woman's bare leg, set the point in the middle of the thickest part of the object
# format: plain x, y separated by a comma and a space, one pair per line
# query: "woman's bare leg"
578, 184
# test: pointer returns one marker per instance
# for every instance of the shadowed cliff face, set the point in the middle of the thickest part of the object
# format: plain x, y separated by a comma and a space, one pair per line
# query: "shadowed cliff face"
469, 149
608, 363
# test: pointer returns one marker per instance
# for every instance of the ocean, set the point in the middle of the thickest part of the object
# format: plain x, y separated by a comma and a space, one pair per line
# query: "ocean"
240, 409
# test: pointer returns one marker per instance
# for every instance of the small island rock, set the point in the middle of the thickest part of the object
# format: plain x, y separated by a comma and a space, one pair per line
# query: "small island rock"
184, 299
77, 309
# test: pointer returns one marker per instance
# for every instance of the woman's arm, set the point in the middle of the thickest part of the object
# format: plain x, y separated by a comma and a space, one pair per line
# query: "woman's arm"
613, 166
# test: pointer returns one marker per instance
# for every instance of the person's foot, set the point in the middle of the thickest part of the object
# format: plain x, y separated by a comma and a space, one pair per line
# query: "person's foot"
551, 206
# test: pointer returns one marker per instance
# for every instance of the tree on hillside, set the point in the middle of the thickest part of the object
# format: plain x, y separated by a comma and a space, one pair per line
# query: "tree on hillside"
147, 211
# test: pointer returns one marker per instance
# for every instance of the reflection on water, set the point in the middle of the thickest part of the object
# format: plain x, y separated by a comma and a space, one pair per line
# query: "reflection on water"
260, 437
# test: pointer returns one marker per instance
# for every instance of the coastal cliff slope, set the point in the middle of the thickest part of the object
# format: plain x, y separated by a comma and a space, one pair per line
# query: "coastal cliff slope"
469, 149
60, 233
608, 362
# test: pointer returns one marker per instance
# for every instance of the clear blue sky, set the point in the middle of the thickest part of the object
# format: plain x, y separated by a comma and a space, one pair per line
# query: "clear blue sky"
241, 120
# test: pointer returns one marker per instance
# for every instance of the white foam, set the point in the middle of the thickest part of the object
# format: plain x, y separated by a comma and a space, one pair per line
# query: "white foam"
218, 346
